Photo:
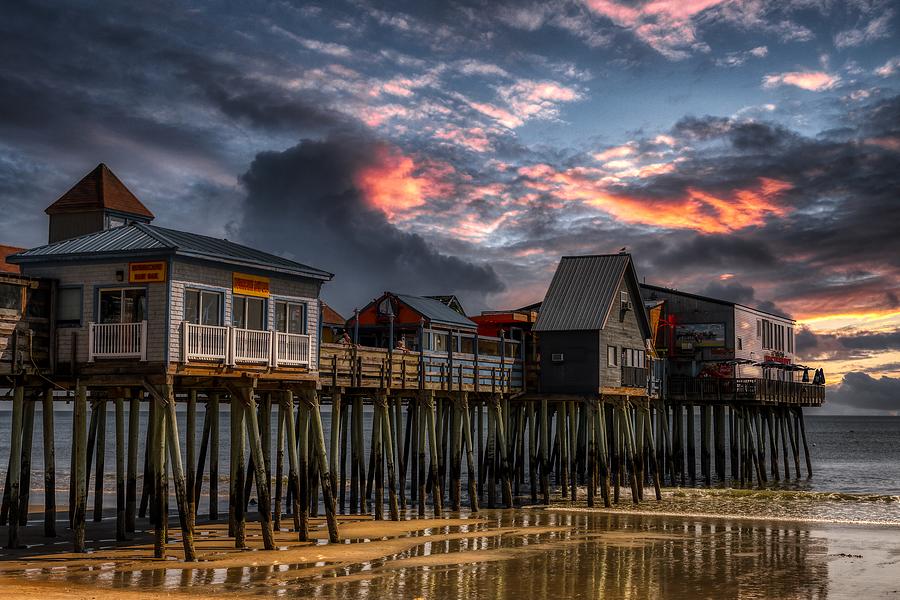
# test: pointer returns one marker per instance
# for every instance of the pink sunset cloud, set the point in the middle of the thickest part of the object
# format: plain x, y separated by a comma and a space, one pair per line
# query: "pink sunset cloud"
813, 81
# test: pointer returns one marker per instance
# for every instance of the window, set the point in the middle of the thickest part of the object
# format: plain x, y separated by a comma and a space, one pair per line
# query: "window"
248, 313
466, 345
123, 305
439, 342
68, 307
641, 358
203, 307
758, 328
11, 297
290, 317
790, 340
611, 357
740, 344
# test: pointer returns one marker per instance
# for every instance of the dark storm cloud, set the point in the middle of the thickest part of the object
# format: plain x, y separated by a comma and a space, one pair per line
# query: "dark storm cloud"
305, 202
734, 291
844, 346
862, 391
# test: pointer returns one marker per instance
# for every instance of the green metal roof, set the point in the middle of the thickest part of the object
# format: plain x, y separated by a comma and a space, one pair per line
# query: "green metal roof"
139, 239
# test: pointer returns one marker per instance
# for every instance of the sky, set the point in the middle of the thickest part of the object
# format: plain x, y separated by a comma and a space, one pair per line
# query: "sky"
745, 149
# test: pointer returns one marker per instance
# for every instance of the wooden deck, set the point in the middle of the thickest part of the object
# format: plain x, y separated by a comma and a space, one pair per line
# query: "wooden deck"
365, 368
743, 390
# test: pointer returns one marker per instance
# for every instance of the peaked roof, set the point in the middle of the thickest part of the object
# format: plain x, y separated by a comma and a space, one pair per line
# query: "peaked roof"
331, 316
436, 311
139, 239
450, 300
5, 251
100, 189
583, 291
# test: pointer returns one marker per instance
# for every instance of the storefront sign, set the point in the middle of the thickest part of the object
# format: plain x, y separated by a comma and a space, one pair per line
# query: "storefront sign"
147, 272
250, 285
784, 360
700, 335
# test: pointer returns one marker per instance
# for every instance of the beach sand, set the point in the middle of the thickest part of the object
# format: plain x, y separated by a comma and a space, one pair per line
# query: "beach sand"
499, 554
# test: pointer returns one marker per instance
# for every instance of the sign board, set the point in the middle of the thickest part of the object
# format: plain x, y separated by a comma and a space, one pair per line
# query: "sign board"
250, 285
777, 358
147, 272
700, 335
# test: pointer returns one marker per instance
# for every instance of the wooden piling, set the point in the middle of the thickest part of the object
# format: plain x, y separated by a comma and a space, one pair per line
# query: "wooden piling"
293, 466
15, 465
100, 449
705, 467
545, 450
236, 510
279, 468
173, 443
27, 445
191, 458
212, 408
456, 458
420, 450
388, 442
376, 467
79, 477
50, 464
318, 435
259, 465
719, 434
691, 444
303, 466
201, 460
799, 411
134, 410
158, 454
436, 494
120, 469
471, 475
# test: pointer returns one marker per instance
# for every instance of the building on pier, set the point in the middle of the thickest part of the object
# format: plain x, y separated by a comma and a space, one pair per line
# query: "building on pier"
130, 295
593, 330
715, 346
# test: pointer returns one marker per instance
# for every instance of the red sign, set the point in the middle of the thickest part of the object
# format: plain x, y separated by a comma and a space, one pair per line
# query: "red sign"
784, 360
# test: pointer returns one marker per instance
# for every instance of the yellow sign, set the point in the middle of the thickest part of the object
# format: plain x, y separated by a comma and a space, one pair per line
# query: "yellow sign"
250, 285
147, 272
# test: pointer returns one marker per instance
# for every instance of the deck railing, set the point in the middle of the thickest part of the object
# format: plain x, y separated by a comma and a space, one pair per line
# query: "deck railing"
204, 342
117, 340
251, 346
744, 389
291, 349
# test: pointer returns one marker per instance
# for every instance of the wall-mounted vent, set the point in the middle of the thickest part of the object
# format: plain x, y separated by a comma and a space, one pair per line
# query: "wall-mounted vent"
557, 358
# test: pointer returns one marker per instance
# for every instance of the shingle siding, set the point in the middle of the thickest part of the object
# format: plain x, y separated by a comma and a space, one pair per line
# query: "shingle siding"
92, 277
196, 274
622, 331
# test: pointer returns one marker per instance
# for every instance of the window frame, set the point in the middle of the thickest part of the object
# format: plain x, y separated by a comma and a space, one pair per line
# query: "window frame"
71, 322
615, 356
188, 289
285, 302
121, 289
265, 311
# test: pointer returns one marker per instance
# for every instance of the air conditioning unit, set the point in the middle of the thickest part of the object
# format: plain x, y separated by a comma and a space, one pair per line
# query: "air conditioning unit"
557, 357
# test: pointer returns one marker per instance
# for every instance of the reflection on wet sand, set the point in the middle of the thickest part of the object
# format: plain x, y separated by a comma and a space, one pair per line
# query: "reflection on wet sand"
527, 554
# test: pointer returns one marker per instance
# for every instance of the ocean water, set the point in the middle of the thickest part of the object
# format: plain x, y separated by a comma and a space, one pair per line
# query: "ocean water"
856, 468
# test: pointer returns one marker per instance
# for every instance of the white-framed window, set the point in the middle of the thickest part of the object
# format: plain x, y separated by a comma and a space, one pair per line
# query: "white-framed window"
203, 307
69, 306
290, 317
122, 305
248, 312
612, 357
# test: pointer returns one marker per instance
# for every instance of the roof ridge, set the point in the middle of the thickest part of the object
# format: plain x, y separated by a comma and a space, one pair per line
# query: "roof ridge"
151, 230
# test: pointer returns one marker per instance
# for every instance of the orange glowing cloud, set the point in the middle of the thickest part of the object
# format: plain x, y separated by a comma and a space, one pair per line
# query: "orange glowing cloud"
695, 209
813, 81
395, 184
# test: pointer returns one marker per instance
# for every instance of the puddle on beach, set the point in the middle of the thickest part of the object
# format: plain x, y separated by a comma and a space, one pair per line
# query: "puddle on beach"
562, 551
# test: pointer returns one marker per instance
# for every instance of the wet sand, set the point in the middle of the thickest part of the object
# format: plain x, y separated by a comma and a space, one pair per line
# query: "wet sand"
528, 553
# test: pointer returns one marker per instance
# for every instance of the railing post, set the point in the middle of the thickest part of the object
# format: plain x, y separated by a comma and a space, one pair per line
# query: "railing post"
90, 342
273, 348
143, 341
184, 342
230, 350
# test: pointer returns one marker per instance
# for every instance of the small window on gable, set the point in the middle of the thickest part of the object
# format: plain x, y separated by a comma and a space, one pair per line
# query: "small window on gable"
740, 344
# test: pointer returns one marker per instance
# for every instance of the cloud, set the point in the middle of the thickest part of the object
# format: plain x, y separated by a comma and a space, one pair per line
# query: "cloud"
891, 67
813, 81
736, 59
667, 26
864, 392
311, 202
876, 29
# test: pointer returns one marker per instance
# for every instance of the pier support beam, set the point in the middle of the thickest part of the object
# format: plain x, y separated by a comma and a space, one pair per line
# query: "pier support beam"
327, 496
15, 465
49, 464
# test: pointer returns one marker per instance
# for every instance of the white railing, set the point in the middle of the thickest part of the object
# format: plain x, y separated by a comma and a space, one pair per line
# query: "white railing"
204, 342
117, 340
251, 346
291, 349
